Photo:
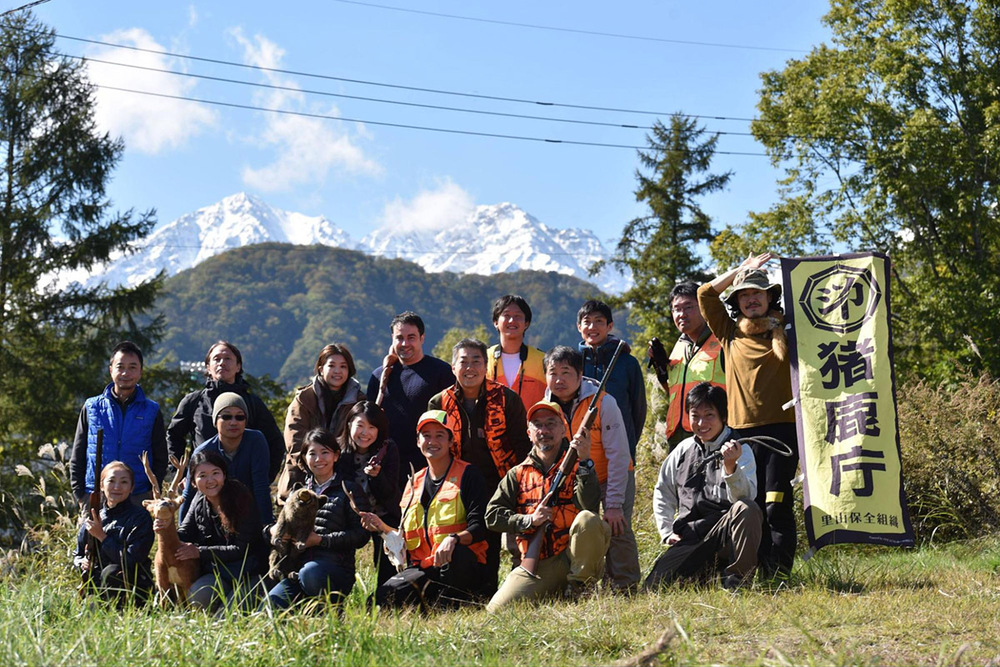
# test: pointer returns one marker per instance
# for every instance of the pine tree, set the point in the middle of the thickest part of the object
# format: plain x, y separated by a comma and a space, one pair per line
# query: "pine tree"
660, 248
55, 217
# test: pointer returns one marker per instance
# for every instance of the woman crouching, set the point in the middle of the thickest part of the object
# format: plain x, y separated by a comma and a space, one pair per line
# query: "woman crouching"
328, 562
123, 536
222, 530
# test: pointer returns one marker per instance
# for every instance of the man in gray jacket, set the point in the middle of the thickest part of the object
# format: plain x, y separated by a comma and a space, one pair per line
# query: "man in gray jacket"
703, 501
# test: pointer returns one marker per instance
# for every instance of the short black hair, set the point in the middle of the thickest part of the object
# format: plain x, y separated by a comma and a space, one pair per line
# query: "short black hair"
408, 317
686, 288
471, 344
591, 307
232, 348
563, 354
317, 436
511, 299
707, 393
128, 347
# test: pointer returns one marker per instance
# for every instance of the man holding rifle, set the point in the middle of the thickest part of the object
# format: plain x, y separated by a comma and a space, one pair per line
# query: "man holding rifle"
575, 394
573, 538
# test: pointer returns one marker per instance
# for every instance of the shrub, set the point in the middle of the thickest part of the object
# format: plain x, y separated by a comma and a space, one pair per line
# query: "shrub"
949, 436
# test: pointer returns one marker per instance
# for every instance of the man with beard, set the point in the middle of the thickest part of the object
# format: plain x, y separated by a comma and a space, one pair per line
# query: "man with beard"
758, 383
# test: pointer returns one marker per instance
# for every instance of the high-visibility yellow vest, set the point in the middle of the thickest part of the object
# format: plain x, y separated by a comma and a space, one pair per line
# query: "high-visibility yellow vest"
683, 375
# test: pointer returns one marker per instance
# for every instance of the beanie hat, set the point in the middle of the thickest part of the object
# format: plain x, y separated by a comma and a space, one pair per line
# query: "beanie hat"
228, 399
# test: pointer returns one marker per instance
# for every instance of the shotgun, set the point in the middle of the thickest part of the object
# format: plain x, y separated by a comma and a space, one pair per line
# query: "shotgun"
530, 561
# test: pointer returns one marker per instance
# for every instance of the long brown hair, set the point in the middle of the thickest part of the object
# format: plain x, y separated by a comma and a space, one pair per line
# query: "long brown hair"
235, 500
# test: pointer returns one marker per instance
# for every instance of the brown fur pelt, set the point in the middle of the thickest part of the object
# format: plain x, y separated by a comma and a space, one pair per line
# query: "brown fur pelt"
296, 521
774, 322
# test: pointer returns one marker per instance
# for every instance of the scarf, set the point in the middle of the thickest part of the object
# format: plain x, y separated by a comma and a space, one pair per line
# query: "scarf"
774, 322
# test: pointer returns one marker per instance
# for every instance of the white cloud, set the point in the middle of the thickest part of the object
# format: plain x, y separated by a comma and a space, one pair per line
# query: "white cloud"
444, 207
192, 16
147, 123
306, 150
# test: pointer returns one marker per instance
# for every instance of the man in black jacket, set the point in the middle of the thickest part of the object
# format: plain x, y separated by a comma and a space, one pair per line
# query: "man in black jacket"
224, 367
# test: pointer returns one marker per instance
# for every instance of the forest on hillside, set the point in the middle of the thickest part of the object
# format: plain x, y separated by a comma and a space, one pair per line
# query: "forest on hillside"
280, 304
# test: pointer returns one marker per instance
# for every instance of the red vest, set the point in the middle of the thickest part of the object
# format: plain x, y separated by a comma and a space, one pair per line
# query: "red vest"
532, 487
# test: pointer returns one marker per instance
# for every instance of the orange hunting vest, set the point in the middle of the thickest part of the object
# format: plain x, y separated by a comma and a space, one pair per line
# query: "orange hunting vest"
683, 376
495, 427
596, 443
445, 515
533, 484
530, 381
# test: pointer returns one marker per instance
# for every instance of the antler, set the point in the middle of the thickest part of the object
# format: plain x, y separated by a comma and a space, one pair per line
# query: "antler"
152, 478
181, 467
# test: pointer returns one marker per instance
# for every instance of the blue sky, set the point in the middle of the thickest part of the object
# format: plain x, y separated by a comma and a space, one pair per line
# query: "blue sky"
182, 155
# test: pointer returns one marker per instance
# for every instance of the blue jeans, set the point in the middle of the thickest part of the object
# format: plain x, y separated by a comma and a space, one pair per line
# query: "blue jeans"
315, 578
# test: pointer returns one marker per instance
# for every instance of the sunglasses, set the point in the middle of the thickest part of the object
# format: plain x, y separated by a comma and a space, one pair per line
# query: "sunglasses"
239, 418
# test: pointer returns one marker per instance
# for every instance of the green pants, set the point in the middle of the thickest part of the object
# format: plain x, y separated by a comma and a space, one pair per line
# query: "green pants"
582, 561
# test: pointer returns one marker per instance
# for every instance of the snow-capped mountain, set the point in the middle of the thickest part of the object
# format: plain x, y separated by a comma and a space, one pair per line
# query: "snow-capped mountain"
495, 239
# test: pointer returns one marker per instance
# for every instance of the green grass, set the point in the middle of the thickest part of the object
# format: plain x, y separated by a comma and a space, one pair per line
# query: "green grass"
848, 605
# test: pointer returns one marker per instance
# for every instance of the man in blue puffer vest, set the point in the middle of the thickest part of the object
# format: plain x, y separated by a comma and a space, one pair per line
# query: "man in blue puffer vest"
132, 425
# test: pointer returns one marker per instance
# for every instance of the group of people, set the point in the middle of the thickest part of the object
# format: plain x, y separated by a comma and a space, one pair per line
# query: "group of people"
444, 466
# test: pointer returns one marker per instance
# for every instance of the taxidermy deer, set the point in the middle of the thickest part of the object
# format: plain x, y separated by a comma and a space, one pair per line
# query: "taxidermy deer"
173, 577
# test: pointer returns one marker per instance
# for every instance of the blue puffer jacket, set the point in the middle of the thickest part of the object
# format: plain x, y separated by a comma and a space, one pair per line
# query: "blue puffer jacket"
125, 437
626, 384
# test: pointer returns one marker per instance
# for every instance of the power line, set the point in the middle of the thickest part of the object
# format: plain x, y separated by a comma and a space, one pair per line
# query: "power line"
269, 86
436, 91
425, 128
27, 6
595, 33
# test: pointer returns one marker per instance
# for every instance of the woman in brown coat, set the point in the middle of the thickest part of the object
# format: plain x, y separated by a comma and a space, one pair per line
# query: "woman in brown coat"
324, 403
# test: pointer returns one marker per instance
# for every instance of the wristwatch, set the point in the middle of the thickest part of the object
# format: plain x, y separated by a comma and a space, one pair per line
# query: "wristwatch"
587, 463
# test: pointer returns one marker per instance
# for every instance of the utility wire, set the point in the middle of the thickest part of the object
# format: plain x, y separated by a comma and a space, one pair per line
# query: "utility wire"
436, 91
596, 33
378, 100
27, 6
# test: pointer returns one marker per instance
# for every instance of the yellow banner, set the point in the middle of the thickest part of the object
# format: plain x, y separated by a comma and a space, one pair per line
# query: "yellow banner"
842, 377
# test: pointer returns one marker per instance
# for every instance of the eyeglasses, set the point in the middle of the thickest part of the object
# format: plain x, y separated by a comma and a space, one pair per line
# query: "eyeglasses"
239, 418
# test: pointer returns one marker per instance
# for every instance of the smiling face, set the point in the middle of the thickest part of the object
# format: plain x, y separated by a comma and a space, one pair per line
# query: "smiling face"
469, 367
594, 329
116, 484
231, 423
320, 460
752, 302
126, 371
434, 441
511, 323
563, 380
209, 480
222, 364
407, 343
687, 316
706, 422
363, 433
335, 371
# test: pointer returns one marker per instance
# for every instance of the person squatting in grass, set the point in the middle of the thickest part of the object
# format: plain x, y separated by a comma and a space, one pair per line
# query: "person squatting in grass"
328, 561
125, 534
608, 449
365, 433
703, 505
222, 530
576, 538
750, 325
245, 451
443, 526
323, 403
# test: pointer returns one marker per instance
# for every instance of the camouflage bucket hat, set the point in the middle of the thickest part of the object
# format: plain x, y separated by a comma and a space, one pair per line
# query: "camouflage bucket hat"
752, 279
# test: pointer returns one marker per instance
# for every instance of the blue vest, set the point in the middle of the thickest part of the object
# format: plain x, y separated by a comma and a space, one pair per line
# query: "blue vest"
124, 439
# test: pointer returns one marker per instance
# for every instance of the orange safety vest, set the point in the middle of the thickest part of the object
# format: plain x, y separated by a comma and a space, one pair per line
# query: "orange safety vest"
495, 427
424, 532
683, 376
533, 484
596, 443
530, 381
